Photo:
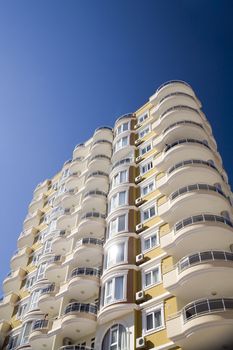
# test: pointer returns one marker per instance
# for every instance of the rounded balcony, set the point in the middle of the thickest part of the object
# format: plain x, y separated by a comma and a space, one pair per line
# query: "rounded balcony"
97, 179
94, 199
20, 258
84, 283
66, 219
32, 220
101, 146
88, 252
92, 223
181, 173
37, 203
74, 181
100, 162
41, 188
7, 305
47, 302
172, 86
75, 347
79, 320
61, 243
122, 162
103, 133
70, 199
13, 280
4, 329
213, 231
80, 150
203, 273
55, 272
190, 328
194, 199
38, 337
77, 166
27, 238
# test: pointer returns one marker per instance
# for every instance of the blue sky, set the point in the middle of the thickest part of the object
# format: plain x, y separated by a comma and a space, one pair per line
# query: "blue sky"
67, 67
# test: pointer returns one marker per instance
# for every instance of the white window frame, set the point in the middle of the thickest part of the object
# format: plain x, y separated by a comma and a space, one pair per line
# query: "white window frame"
117, 199
113, 278
110, 234
146, 185
147, 312
148, 237
120, 128
22, 309
146, 164
106, 256
119, 143
40, 274
23, 340
150, 271
148, 208
144, 147
33, 303
142, 133
143, 117
47, 248
116, 180
29, 281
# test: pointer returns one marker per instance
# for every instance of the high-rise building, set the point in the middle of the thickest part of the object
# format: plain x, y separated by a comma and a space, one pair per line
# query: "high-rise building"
130, 245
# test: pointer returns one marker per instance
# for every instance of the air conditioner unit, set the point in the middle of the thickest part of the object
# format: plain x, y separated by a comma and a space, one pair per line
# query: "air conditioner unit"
136, 126
139, 201
138, 159
138, 141
140, 296
140, 343
140, 259
139, 228
138, 179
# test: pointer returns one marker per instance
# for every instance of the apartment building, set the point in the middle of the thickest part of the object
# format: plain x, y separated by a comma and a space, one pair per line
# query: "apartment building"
130, 245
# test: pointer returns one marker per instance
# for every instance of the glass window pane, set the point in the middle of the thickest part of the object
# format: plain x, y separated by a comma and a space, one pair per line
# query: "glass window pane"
121, 223
149, 322
119, 287
157, 319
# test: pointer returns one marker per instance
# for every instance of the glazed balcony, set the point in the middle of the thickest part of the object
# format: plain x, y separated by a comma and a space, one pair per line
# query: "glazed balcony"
94, 199
37, 203
97, 179
84, 284
79, 320
100, 162
61, 242
55, 272
20, 258
38, 337
26, 238
202, 273
32, 220
103, 133
170, 87
88, 252
101, 146
92, 223
13, 281
47, 302
196, 198
123, 162
190, 328
7, 305
181, 173
42, 188
213, 231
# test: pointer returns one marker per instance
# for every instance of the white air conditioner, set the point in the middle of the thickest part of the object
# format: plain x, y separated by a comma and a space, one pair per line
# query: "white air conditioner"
138, 179
140, 343
140, 259
138, 159
138, 141
139, 201
136, 126
140, 296
139, 228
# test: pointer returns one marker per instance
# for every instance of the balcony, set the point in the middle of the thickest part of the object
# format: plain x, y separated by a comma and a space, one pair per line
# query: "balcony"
190, 328
74, 181
61, 242
37, 203
97, 179
101, 147
42, 188
20, 258
4, 329
202, 273
99, 162
55, 272
13, 281
92, 223
170, 87
47, 302
78, 166
84, 284
213, 231
103, 133
75, 347
32, 220
80, 151
79, 320
38, 337
66, 220
196, 198
181, 173
88, 252
94, 199
7, 305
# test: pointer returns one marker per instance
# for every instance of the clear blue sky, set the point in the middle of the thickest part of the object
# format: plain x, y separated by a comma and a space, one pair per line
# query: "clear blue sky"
67, 67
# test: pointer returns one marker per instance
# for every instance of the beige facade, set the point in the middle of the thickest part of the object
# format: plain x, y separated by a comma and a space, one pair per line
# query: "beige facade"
129, 246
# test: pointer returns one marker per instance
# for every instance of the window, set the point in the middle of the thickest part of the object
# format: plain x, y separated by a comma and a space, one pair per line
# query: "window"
144, 132
150, 242
36, 258
149, 187
33, 304
25, 333
117, 225
115, 254
123, 127
65, 173
29, 282
154, 320
121, 143
146, 167
117, 200
47, 247
41, 271
142, 118
152, 277
115, 338
21, 310
148, 213
120, 178
113, 290
13, 342
145, 149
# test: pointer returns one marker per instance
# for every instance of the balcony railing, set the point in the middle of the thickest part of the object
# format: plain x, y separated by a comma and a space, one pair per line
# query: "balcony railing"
93, 214
86, 271
49, 289
40, 324
206, 306
183, 122
195, 219
200, 257
172, 82
79, 307
101, 141
90, 240
197, 187
182, 141
54, 259
97, 173
178, 108
123, 161
75, 347
100, 156
95, 192
176, 94
191, 162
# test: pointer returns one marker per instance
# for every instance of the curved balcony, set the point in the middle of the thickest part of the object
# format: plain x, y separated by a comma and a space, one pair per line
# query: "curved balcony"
66, 220
32, 220
196, 198
13, 281
70, 199
103, 133
79, 320
55, 272
61, 243
4, 329
38, 337
92, 223
191, 327
94, 199
42, 188
123, 162
80, 150
75, 347
170, 87
181, 173
88, 252
37, 203
20, 258
77, 166
101, 147
203, 273
99, 162
27, 238
213, 231
97, 179
7, 305
84, 283
47, 302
